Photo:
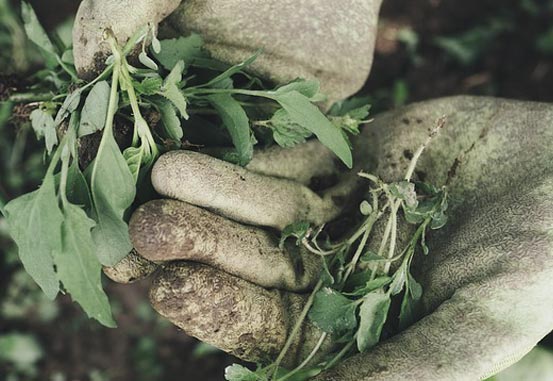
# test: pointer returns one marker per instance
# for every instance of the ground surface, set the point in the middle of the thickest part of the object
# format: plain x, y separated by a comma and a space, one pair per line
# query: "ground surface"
495, 47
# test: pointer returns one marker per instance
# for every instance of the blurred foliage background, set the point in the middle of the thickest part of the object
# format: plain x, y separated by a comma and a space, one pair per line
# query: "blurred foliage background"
425, 49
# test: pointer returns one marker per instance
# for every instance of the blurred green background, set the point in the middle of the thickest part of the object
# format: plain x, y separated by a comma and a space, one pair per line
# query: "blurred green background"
425, 49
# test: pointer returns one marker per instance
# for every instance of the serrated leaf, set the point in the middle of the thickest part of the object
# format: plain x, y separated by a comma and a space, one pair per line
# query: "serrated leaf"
236, 122
171, 91
113, 190
372, 316
44, 126
34, 221
304, 113
79, 269
286, 132
332, 312
170, 120
38, 36
185, 49
95, 109
148, 86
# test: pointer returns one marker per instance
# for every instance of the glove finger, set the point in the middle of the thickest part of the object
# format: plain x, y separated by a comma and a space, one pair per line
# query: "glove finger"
130, 269
232, 314
167, 230
237, 193
309, 163
123, 17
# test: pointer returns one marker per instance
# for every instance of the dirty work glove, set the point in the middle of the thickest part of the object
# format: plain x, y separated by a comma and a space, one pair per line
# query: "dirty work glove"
310, 39
486, 281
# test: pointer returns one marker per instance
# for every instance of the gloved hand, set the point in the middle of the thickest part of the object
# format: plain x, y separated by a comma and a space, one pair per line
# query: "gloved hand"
307, 39
486, 280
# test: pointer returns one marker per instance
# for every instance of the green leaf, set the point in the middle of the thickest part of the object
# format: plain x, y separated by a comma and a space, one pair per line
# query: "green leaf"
308, 89
356, 107
113, 190
77, 188
95, 109
133, 156
236, 372
44, 126
69, 105
34, 222
147, 61
237, 123
232, 71
370, 285
38, 36
22, 350
286, 132
79, 269
332, 312
304, 113
148, 86
171, 91
409, 304
185, 49
405, 190
170, 120
372, 316
296, 229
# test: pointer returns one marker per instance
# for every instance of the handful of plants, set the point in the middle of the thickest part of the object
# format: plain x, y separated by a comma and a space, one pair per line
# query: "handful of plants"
77, 220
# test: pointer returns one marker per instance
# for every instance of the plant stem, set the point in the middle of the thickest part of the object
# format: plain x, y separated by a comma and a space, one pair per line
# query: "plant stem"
340, 354
307, 359
298, 324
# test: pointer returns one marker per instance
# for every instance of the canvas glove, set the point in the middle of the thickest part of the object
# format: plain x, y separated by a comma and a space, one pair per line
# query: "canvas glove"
486, 298
310, 39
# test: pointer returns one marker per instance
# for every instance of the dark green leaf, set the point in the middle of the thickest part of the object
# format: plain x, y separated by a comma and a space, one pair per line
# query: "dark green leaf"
95, 109
44, 126
79, 269
332, 312
185, 49
231, 71
304, 113
113, 190
237, 123
296, 229
370, 285
372, 314
410, 303
35, 222
77, 188
37, 35
355, 106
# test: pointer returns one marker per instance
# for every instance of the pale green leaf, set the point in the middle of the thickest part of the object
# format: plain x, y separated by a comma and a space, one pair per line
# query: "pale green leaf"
286, 132
34, 221
372, 316
113, 189
133, 156
236, 372
95, 109
44, 126
170, 120
79, 269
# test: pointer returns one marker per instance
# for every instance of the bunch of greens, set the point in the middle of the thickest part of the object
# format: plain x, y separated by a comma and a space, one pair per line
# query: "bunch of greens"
351, 302
76, 221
